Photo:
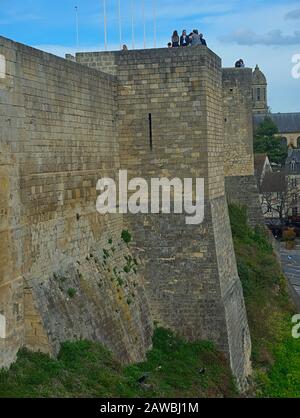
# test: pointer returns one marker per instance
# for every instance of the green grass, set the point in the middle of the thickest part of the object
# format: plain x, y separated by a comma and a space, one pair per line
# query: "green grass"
126, 236
71, 292
275, 354
86, 369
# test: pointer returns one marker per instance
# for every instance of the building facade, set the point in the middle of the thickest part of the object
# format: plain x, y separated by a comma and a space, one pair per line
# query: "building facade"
288, 124
292, 173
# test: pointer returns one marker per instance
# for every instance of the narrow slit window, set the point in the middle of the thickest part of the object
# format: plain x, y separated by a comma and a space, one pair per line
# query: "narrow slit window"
150, 132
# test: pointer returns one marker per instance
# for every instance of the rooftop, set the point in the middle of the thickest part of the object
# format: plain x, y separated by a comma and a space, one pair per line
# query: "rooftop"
274, 183
286, 122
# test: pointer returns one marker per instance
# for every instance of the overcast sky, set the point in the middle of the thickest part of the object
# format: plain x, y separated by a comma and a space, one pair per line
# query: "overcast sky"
264, 32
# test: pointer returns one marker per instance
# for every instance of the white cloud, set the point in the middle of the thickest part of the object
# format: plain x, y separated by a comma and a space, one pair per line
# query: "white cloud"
274, 37
293, 15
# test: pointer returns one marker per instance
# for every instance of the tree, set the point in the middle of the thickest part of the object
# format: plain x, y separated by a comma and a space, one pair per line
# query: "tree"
278, 203
267, 141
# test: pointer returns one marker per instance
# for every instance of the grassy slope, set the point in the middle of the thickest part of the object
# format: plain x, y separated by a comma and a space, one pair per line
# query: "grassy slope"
85, 369
275, 354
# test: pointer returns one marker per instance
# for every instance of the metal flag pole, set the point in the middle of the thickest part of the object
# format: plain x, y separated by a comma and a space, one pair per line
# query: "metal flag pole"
77, 27
132, 22
120, 23
154, 19
144, 22
105, 25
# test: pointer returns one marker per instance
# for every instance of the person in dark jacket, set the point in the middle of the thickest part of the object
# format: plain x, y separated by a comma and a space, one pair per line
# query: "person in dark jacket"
203, 41
240, 64
175, 39
184, 39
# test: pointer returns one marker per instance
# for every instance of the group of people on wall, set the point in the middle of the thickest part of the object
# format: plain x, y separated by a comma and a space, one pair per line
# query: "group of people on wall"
194, 38
240, 63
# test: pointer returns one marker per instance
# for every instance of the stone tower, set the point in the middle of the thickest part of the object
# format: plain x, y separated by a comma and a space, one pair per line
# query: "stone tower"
191, 276
240, 183
259, 92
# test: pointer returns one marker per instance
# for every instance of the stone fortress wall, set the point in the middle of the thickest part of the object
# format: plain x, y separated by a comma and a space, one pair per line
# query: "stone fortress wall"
64, 126
57, 138
191, 275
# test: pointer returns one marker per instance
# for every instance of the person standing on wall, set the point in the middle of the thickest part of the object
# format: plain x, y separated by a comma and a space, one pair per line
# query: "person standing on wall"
240, 64
203, 41
184, 39
196, 38
175, 39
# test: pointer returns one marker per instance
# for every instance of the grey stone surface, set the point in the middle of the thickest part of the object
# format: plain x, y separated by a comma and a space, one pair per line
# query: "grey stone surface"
57, 138
78, 124
242, 190
190, 271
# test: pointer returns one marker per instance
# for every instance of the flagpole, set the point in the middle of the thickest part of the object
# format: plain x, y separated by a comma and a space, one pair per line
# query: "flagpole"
120, 23
154, 19
105, 25
132, 22
77, 28
144, 23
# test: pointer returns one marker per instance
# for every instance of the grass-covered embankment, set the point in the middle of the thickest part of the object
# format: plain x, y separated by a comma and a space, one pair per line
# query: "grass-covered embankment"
275, 353
173, 368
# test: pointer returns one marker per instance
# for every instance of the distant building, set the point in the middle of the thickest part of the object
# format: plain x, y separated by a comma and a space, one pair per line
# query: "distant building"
279, 190
274, 195
292, 173
259, 92
288, 123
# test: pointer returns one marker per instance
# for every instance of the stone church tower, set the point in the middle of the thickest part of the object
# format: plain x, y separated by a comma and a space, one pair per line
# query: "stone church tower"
259, 92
